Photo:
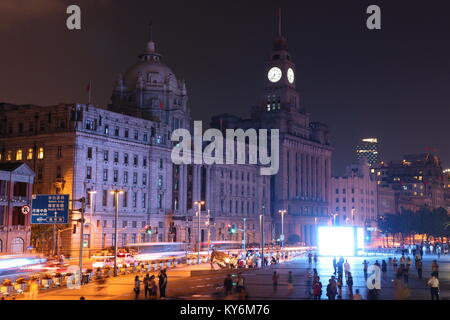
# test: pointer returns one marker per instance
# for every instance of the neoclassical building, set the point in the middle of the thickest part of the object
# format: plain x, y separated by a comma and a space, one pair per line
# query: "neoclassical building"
303, 183
88, 151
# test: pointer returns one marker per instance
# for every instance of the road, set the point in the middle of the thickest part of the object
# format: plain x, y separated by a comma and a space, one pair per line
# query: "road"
207, 285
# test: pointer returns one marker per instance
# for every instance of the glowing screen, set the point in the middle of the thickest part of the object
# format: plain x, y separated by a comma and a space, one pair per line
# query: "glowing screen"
336, 241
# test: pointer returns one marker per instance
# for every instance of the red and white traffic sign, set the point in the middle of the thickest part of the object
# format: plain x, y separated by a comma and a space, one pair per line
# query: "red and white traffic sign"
25, 209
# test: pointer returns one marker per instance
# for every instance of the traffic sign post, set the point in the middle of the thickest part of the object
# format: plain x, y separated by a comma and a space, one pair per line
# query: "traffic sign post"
50, 209
25, 209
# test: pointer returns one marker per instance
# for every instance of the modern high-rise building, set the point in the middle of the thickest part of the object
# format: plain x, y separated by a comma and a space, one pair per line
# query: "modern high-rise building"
368, 148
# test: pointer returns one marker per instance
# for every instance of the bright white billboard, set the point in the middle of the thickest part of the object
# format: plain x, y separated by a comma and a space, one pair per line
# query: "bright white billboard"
340, 241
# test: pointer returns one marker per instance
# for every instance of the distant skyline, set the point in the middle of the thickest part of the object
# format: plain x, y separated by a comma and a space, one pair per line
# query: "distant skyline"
391, 84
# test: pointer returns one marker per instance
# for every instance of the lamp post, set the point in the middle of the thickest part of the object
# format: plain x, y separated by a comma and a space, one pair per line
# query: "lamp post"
334, 219
199, 203
353, 216
91, 202
116, 218
244, 237
282, 228
261, 222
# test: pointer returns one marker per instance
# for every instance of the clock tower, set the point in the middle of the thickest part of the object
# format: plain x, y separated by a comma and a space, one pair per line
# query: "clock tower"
279, 84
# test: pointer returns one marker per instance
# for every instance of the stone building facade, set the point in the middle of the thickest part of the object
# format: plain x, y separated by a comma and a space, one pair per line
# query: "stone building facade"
16, 183
355, 196
302, 185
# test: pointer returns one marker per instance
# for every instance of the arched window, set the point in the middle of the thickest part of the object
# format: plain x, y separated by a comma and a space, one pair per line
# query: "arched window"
17, 245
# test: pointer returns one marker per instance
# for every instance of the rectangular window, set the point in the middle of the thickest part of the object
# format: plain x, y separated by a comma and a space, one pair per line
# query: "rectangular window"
88, 172
145, 137
105, 174
116, 131
125, 158
124, 239
159, 201
135, 177
136, 135
58, 172
125, 177
144, 202
106, 129
116, 157
133, 238
160, 181
134, 199
41, 153
30, 154
125, 199
144, 162
126, 133
134, 224
103, 240
144, 179
105, 198
89, 153
116, 175
160, 164
59, 152
135, 160
19, 155
105, 155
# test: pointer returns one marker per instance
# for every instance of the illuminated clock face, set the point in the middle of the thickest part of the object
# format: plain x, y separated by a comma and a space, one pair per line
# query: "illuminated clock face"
274, 74
290, 75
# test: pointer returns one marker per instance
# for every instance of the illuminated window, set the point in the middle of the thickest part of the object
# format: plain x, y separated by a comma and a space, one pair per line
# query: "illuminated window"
30, 154
379, 173
41, 153
9, 155
19, 154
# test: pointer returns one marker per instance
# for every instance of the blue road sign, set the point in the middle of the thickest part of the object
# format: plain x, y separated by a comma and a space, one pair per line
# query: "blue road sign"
50, 209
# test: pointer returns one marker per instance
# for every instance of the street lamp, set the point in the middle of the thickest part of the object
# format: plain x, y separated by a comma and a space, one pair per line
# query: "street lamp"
244, 237
334, 219
116, 218
282, 228
261, 223
353, 216
199, 203
91, 202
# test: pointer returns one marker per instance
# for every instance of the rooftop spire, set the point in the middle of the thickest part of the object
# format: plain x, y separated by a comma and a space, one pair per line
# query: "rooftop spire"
279, 21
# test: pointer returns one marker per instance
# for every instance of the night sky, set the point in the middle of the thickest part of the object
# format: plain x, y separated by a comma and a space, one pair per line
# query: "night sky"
391, 83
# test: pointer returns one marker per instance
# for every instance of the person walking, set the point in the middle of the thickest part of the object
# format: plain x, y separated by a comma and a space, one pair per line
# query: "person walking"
310, 258
137, 287
346, 268
366, 264
394, 264
317, 289
419, 266
315, 258
331, 289
350, 284
228, 285
435, 268
384, 268
433, 283
357, 295
162, 283
240, 287
290, 282
275, 277
153, 287
147, 288
339, 284
334, 265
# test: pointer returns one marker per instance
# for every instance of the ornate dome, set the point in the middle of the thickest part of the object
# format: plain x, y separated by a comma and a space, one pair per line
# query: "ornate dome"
150, 71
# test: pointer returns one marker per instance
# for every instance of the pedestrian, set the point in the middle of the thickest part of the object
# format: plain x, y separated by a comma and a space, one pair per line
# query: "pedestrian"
350, 284
366, 264
339, 287
308, 284
240, 287
162, 283
435, 268
137, 287
317, 289
384, 268
228, 285
33, 289
147, 288
346, 268
433, 283
153, 287
357, 295
310, 258
419, 266
275, 281
290, 282
334, 265
394, 264
315, 258
331, 289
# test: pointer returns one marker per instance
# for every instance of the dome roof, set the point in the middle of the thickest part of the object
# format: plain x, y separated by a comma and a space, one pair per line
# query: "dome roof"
150, 69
